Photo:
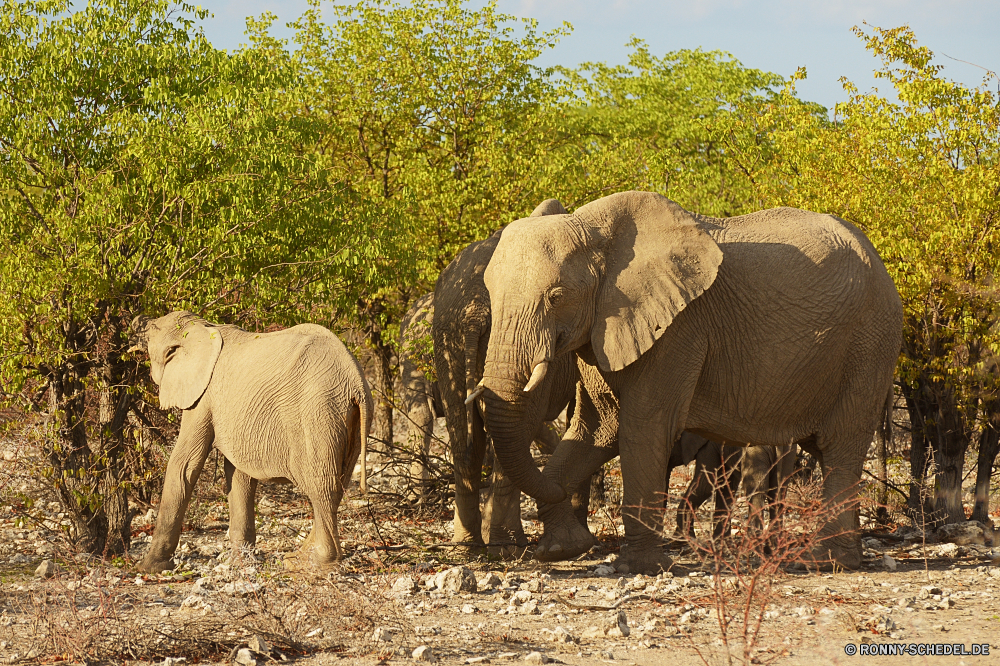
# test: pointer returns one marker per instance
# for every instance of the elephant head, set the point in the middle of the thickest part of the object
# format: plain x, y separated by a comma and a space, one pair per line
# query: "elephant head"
610, 277
183, 350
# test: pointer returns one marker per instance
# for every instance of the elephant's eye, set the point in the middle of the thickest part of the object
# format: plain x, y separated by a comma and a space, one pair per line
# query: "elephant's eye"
554, 295
170, 352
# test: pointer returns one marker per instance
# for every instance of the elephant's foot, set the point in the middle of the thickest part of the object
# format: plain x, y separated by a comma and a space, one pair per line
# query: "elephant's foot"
647, 561
564, 537
154, 565
833, 553
301, 561
507, 545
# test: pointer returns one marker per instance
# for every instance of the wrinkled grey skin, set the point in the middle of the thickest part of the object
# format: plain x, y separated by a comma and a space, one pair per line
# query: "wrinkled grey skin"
290, 407
461, 329
420, 397
770, 328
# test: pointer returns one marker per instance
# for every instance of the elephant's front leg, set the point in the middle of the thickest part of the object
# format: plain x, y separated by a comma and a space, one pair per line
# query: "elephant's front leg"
591, 441
468, 470
186, 461
502, 519
242, 491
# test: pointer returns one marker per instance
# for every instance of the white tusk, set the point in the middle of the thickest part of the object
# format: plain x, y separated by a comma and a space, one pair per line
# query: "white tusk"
476, 392
537, 375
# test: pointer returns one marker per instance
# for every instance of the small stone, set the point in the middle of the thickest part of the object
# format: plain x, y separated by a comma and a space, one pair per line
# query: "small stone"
534, 585
404, 585
537, 658
529, 608
382, 635
246, 657
315, 633
604, 570
888, 562
259, 645
488, 582
947, 550
521, 597
617, 625
455, 580
469, 609
47, 569
423, 653
558, 635
607, 654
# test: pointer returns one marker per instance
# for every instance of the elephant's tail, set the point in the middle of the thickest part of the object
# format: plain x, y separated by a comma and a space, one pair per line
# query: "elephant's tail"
885, 425
365, 409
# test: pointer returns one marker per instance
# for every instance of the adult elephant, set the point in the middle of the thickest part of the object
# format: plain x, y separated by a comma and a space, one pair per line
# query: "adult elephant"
461, 329
291, 406
421, 398
774, 327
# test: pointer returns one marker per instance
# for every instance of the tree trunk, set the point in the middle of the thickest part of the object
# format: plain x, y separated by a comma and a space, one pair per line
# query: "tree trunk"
917, 505
381, 356
989, 446
937, 417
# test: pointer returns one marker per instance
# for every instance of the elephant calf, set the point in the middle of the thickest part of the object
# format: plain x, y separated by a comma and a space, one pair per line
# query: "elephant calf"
719, 470
290, 406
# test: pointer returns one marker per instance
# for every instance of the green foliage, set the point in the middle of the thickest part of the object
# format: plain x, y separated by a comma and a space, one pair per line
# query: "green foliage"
653, 125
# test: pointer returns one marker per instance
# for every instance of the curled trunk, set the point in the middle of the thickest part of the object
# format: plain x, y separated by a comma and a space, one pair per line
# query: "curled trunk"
512, 425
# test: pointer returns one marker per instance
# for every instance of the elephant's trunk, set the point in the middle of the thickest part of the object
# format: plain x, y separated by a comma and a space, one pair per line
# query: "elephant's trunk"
512, 430
513, 417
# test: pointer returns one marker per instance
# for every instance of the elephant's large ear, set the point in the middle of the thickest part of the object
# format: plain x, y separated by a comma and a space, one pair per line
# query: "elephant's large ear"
656, 261
188, 368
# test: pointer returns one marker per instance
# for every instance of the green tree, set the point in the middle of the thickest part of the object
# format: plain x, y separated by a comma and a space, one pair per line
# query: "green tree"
434, 110
143, 170
653, 125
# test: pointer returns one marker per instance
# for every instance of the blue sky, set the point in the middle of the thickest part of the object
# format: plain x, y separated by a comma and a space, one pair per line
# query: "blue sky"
774, 35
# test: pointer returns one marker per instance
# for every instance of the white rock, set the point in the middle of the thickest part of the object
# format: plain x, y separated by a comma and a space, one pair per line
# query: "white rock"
529, 608
488, 582
521, 597
404, 585
469, 609
423, 653
47, 569
246, 657
382, 635
604, 570
537, 658
888, 562
455, 580
558, 635
947, 550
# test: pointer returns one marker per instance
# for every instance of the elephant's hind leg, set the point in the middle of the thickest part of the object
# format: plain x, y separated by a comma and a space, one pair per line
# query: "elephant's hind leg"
242, 491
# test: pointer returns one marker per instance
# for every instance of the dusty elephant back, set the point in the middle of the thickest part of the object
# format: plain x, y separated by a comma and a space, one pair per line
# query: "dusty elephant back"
822, 318
298, 382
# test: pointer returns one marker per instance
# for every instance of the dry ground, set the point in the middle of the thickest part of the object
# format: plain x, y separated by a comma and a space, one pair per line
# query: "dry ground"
212, 605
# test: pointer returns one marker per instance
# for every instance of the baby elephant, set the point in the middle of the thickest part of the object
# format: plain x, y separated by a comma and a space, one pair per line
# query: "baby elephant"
290, 407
